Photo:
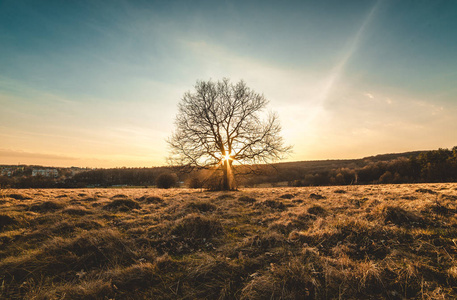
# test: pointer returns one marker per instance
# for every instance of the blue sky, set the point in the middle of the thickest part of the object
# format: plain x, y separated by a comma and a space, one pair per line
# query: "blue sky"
97, 83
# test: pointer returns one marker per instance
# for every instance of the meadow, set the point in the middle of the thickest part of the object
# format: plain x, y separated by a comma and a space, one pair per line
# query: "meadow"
338, 242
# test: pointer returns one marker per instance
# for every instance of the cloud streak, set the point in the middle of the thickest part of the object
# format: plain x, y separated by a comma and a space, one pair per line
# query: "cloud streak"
18, 154
338, 69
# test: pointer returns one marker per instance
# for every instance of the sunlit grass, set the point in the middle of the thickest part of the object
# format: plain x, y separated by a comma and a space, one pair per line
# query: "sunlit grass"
351, 242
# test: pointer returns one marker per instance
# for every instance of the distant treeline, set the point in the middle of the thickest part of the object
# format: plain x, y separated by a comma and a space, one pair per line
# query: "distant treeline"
428, 166
413, 167
90, 178
119, 176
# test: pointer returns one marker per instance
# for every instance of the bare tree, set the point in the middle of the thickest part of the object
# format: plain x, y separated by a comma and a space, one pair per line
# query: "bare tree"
219, 124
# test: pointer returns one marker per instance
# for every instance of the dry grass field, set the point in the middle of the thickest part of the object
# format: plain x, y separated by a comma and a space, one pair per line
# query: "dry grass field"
353, 242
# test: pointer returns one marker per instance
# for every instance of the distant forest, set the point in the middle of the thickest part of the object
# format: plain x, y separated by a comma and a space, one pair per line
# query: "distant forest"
411, 167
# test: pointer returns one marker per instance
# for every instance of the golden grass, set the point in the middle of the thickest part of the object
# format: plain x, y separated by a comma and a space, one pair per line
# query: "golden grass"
351, 242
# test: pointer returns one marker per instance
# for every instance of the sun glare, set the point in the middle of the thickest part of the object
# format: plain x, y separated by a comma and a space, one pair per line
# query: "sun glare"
227, 157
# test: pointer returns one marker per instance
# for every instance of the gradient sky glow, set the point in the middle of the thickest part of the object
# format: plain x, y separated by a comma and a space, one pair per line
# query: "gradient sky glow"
97, 83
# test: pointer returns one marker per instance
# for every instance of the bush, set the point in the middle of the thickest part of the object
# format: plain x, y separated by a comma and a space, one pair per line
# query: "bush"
166, 180
195, 183
214, 183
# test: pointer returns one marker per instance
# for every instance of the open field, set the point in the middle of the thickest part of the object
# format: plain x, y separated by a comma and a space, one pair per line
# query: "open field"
352, 242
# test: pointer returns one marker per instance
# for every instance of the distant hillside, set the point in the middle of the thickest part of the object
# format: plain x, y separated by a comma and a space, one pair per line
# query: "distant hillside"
308, 164
408, 167
344, 163
414, 166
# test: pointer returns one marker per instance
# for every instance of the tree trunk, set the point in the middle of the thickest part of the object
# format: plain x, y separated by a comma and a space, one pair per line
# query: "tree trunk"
225, 178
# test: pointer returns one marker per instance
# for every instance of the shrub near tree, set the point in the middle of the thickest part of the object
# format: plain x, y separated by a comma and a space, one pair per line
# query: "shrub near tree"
166, 180
195, 183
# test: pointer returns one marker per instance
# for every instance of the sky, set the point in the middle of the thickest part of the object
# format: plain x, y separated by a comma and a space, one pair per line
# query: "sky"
97, 83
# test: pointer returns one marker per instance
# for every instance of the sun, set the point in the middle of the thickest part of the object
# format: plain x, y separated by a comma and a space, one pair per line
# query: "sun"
227, 157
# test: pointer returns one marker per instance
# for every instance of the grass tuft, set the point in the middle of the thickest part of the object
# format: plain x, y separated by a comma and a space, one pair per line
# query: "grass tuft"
317, 210
202, 206
287, 196
6, 221
19, 196
225, 197
402, 217
426, 191
339, 191
316, 196
47, 206
275, 204
197, 226
122, 205
150, 199
247, 199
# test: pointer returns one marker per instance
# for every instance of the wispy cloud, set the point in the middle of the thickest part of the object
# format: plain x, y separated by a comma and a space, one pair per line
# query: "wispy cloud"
369, 95
19, 154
